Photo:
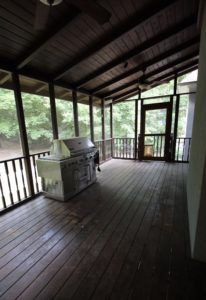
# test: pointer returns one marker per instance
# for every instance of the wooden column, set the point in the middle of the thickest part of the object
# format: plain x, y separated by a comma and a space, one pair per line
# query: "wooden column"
136, 129
174, 134
53, 111
75, 111
175, 85
141, 137
111, 127
103, 129
23, 133
168, 144
91, 118
175, 126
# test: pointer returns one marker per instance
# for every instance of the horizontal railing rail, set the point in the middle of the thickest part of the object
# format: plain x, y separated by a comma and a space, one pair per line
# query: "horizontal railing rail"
13, 180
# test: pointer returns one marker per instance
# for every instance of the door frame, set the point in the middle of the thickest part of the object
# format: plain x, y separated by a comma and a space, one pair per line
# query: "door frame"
154, 106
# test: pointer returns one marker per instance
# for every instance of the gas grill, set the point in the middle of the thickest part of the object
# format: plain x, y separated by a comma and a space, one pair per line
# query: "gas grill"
69, 168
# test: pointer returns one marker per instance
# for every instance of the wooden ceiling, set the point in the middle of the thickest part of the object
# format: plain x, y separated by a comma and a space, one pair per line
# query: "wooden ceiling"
159, 38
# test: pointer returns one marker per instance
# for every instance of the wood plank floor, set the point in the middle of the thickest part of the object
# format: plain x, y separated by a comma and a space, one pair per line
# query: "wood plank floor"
125, 237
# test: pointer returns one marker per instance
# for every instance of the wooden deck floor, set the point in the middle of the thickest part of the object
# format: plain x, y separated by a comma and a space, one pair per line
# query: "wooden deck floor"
125, 237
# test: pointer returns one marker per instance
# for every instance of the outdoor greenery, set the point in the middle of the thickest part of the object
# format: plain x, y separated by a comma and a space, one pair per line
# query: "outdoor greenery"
38, 118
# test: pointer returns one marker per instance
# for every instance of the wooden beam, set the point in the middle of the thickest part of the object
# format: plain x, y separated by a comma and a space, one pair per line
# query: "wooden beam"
176, 70
5, 78
147, 64
53, 111
64, 94
75, 111
140, 49
191, 65
91, 117
173, 64
132, 91
23, 131
152, 73
138, 18
46, 38
41, 87
172, 75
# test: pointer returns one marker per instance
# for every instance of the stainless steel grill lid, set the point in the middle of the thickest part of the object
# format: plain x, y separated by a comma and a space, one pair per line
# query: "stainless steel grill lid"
63, 149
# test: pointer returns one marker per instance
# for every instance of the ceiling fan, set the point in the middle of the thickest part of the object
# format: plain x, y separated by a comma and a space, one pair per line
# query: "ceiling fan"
90, 7
144, 85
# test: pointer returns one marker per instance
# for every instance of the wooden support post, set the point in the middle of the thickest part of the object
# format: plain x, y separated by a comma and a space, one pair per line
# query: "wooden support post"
175, 126
111, 127
175, 85
22, 129
75, 111
53, 111
103, 129
141, 137
135, 129
168, 141
91, 118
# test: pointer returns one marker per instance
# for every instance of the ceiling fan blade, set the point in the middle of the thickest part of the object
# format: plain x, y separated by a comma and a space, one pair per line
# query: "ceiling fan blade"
93, 9
41, 16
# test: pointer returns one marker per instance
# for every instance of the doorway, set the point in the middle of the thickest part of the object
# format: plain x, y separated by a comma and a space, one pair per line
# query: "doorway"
155, 131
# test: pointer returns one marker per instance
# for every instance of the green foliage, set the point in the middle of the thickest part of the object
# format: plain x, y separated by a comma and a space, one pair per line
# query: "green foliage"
65, 118
123, 119
38, 118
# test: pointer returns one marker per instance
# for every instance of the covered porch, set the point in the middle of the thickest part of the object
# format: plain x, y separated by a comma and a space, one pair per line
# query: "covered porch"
131, 77
125, 237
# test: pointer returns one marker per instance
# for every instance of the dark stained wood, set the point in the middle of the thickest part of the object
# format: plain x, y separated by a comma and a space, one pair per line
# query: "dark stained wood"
103, 128
53, 111
183, 70
22, 131
175, 126
143, 66
125, 237
148, 44
45, 39
91, 117
136, 129
75, 111
111, 127
130, 24
155, 72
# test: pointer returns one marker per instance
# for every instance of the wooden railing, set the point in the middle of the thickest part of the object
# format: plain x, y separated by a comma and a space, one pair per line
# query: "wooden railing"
99, 146
182, 153
124, 148
36, 179
107, 151
13, 180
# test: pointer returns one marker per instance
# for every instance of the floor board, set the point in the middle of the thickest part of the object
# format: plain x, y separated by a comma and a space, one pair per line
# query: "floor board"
125, 237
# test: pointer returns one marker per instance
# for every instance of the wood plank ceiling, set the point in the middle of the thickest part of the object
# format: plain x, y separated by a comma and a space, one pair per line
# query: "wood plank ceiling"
158, 38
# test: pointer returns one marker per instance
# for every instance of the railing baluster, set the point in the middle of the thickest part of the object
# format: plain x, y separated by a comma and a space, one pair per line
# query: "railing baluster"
22, 176
188, 151
183, 150
178, 149
16, 181
2, 194
34, 169
9, 184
